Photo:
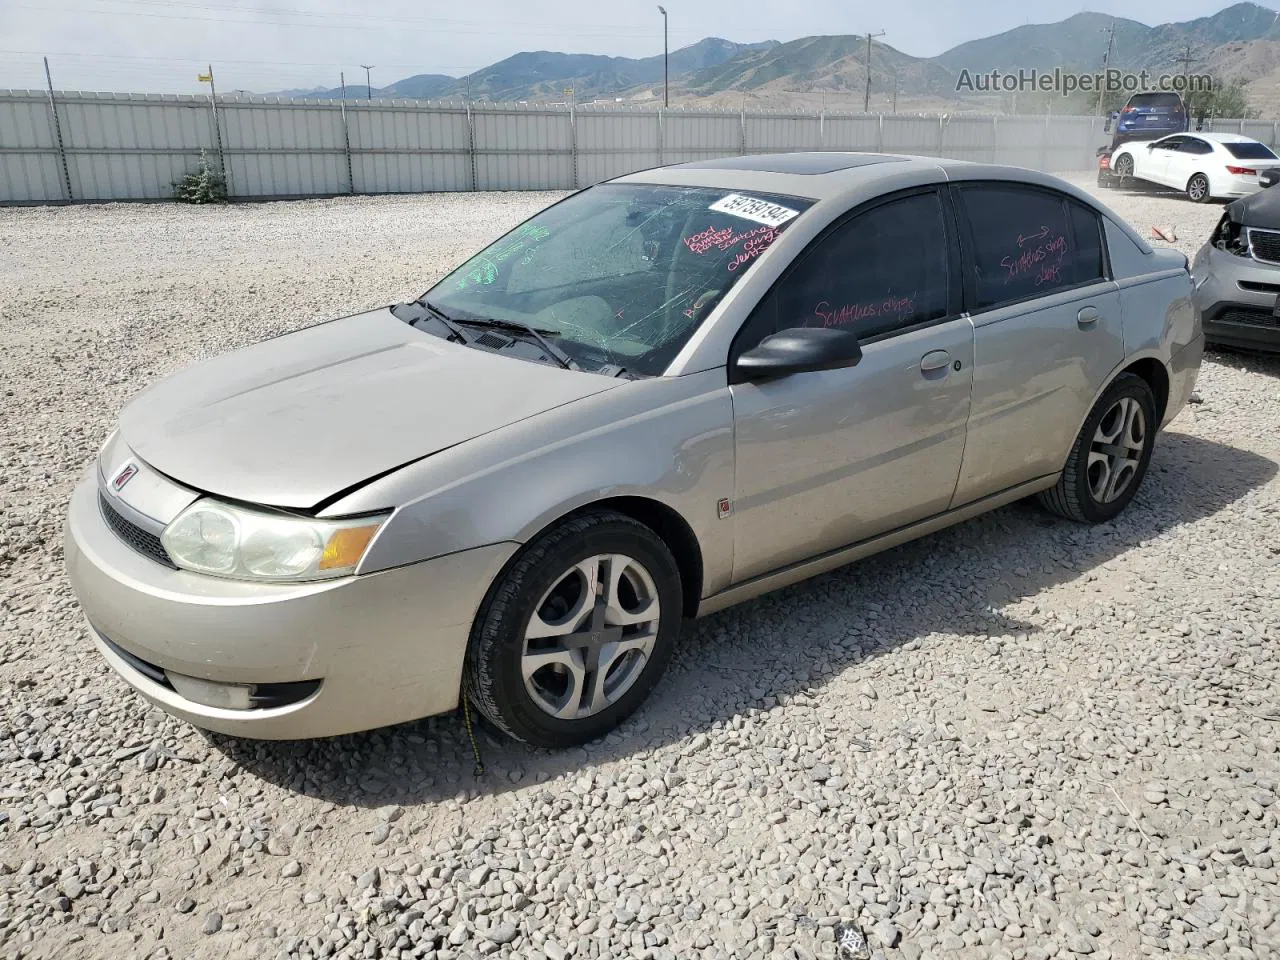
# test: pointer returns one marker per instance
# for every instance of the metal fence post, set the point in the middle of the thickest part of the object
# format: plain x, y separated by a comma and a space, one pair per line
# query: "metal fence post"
941, 132
880, 132
662, 137
346, 141
822, 127
471, 147
573, 142
1044, 146
742, 128
57, 132
995, 137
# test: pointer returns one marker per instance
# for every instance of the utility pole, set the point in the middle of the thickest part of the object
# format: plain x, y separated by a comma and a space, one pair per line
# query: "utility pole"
866, 97
368, 84
1186, 59
57, 131
1106, 61
666, 74
217, 127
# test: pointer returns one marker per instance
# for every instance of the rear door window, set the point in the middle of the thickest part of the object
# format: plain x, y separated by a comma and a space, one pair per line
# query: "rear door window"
1024, 242
1194, 145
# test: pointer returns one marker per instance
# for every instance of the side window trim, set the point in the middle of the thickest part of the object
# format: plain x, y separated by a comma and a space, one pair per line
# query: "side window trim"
1073, 203
968, 244
955, 295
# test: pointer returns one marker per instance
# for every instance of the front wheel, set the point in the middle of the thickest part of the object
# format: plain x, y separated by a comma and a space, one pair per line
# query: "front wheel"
1123, 166
1198, 189
576, 631
1110, 456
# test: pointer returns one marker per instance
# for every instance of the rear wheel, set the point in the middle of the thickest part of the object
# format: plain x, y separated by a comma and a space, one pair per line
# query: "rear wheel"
1110, 456
1198, 189
576, 632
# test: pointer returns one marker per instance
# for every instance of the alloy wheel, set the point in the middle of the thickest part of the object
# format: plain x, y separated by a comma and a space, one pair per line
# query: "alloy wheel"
1116, 451
590, 636
1198, 188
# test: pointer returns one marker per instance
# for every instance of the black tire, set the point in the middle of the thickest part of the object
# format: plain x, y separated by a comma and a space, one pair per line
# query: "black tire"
1198, 189
493, 677
1124, 166
1074, 495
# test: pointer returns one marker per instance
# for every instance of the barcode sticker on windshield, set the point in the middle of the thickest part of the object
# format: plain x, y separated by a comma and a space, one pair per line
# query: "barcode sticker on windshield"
759, 211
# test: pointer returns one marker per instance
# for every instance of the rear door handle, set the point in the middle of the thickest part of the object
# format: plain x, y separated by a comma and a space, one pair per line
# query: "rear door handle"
935, 360
1087, 316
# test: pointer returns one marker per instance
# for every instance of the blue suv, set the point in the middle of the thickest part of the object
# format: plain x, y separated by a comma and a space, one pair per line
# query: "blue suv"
1149, 115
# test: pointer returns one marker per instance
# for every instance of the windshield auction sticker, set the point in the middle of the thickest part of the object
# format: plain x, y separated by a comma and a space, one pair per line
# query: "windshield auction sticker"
759, 211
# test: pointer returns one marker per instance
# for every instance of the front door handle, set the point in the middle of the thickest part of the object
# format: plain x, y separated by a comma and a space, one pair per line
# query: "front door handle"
935, 360
1087, 316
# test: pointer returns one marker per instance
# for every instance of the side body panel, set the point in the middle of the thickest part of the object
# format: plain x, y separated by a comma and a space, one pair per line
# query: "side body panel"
829, 458
1037, 370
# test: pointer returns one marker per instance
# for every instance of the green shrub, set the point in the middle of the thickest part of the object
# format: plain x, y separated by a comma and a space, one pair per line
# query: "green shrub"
207, 185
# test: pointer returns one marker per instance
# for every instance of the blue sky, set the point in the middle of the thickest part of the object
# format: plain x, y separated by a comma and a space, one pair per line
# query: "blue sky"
156, 45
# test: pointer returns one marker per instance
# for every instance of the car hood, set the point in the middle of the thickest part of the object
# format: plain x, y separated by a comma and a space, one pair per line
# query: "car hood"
295, 420
1261, 209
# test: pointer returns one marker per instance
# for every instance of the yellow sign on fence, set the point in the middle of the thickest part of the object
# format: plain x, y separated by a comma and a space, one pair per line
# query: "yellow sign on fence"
205, 77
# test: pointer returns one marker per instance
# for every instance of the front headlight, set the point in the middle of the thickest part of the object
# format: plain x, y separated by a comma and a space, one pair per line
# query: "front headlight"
228, 541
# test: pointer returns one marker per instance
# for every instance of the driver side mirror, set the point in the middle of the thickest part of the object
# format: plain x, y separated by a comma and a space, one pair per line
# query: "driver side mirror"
798, 350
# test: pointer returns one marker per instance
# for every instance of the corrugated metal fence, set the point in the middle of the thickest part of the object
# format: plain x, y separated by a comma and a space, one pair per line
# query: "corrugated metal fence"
86, 146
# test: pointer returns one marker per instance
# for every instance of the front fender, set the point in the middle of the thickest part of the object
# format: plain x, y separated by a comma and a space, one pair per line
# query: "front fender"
669, 440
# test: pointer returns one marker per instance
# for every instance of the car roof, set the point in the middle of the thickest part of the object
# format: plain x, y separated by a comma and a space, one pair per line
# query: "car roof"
1219, 137
825, 175
838, 180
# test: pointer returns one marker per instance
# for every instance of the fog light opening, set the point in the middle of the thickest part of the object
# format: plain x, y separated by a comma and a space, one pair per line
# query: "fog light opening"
210, 693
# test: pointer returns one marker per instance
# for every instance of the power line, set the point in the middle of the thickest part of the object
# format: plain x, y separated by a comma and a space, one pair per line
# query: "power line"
360, 23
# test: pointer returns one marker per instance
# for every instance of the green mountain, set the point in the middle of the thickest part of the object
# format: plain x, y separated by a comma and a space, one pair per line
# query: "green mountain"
544, 74
822, 63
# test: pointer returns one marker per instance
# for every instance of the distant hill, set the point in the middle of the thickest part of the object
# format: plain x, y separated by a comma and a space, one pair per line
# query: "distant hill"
544, 74
822, 63
1080, 42
1240, 42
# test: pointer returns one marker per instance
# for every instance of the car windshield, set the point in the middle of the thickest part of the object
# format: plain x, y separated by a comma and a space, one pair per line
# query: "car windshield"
1250, 151
1166, 100
620, 273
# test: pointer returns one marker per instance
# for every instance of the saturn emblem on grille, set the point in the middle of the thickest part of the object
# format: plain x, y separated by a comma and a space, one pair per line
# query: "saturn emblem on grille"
127, 473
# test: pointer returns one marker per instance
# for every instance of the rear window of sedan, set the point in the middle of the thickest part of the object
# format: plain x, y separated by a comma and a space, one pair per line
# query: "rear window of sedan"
1250, 151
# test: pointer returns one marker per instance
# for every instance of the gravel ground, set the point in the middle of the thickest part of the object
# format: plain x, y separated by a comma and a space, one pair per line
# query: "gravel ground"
1017, 739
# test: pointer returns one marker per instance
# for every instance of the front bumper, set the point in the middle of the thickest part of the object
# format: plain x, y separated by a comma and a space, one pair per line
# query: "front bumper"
385, 647
1237, 297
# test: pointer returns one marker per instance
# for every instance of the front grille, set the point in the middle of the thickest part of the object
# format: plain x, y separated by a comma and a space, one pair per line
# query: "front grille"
1265, 245
1252, 318
143, 541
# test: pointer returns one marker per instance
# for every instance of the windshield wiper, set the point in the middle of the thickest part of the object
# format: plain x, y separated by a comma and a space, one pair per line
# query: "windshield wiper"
443, 318
540, 336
